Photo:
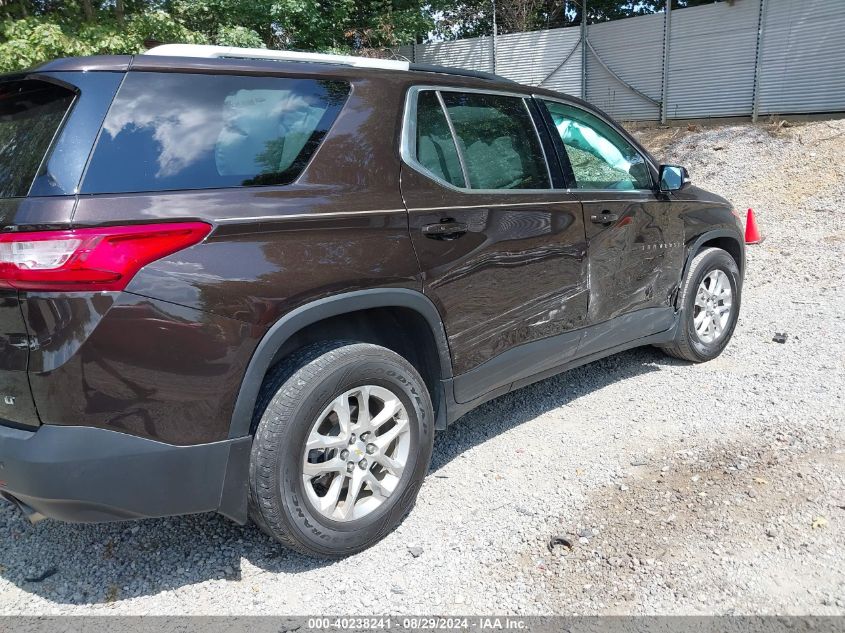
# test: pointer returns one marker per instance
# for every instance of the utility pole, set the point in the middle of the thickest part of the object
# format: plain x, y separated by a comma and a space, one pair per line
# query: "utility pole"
494, 36
758, 61
584, 49
664, 100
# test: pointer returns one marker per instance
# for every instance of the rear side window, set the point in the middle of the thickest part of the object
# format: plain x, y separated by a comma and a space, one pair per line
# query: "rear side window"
30, 115
436, 149
168, 131
498, 141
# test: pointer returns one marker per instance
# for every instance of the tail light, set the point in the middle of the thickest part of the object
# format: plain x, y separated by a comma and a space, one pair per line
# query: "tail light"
90, 259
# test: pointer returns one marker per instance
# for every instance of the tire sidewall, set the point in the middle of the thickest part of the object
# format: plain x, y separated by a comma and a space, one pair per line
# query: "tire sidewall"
319, 532
716, 260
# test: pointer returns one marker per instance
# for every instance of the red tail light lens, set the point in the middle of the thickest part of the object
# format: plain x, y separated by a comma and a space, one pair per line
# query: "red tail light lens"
90, 259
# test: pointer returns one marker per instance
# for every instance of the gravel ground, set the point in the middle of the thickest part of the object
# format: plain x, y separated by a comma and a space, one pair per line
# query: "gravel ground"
637, 484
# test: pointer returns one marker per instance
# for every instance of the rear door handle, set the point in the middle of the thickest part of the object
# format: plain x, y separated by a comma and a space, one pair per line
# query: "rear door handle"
445, 230
605, 217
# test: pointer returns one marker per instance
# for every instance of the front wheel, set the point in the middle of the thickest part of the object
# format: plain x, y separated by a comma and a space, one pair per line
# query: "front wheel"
341, 448
710, 307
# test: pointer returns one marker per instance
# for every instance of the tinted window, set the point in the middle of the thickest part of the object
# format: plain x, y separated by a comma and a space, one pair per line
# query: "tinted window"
435, 146
498, 141
601, 158
175, 131
30, 114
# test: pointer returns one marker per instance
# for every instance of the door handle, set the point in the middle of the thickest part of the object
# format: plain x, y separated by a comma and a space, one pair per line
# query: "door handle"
606, 217
446, 229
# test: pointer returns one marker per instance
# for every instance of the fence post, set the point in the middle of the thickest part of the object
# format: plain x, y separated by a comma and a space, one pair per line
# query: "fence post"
494, 36
664, 99
584, 50
758, 63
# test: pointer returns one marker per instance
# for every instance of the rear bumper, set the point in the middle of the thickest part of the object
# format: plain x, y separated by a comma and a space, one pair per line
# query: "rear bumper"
83, 474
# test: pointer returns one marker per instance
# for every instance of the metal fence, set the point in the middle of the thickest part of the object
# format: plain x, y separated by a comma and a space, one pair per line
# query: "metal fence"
740, 58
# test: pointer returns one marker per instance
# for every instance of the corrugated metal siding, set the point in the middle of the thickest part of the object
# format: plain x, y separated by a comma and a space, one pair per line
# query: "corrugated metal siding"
633, 49
533, 59
712, 60
406, 51
802, 57
473, 54
567, 77
712, 52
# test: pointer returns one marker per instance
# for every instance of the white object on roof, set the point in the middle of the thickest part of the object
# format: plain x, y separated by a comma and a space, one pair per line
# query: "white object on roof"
204, 50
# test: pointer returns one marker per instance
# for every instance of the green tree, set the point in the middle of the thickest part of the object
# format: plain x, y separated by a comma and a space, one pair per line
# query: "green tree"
28, 41
33, 31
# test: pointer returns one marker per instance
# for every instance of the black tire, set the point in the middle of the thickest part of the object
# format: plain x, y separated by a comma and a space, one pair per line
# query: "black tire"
687, 344
291, 399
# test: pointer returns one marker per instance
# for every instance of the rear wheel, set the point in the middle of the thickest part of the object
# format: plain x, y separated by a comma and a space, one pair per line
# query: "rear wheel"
710, 307
341, 448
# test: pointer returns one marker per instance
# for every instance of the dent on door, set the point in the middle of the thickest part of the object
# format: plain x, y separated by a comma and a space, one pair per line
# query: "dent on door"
635, 258
517, 274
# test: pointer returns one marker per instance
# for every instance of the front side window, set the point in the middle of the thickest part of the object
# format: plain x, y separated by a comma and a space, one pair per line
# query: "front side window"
168, 131
30, 114
601, 158
497, 140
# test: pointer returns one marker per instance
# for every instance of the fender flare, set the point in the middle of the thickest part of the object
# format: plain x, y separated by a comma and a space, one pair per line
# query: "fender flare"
316, 311
695, 245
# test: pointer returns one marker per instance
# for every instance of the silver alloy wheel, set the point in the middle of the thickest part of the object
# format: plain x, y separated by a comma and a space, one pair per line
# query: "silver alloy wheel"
356, 452
712, 310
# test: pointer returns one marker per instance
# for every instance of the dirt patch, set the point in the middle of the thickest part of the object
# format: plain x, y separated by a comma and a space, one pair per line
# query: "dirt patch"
727, 526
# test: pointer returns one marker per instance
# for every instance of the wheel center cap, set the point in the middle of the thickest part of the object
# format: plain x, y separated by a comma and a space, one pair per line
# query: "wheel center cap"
358, 449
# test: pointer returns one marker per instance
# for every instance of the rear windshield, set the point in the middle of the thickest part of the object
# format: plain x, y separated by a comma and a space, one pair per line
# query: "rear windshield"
168, 131
30, 114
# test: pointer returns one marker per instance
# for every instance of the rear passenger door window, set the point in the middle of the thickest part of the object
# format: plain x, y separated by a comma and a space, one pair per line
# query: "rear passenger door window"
479, 141
169, 131
498, 141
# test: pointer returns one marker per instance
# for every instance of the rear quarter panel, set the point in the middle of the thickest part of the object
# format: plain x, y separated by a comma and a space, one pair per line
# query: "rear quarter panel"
132, 364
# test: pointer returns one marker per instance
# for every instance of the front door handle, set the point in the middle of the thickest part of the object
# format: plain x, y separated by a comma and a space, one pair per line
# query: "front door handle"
446, 229
605, 217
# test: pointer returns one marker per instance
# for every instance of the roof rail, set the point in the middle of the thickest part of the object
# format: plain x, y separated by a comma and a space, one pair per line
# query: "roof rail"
204, 50
463, 72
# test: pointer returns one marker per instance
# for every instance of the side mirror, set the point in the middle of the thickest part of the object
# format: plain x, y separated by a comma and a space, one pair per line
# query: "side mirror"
673, 177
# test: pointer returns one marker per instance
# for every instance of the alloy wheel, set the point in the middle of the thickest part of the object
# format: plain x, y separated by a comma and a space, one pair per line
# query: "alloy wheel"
356, 452
712, 309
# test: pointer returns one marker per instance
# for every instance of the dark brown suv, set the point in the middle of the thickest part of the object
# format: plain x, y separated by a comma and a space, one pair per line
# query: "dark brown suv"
258, 286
